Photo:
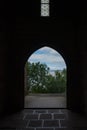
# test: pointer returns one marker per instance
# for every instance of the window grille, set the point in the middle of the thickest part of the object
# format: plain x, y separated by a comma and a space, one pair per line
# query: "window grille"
45, 8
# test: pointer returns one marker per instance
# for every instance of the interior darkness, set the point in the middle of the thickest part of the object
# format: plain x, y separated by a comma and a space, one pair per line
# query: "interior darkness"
22, 31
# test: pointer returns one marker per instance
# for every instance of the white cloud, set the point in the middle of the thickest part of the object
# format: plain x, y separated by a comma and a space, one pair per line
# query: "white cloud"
49, 50
49, 56
46, 58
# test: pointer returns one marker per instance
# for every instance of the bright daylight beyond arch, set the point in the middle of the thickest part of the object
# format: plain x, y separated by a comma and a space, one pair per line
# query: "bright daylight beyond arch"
46, 73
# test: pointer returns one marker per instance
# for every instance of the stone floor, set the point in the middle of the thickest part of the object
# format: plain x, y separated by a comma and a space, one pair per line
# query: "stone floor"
45, 101
44, 119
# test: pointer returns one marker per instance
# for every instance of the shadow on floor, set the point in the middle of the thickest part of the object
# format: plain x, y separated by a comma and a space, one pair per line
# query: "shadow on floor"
44, 119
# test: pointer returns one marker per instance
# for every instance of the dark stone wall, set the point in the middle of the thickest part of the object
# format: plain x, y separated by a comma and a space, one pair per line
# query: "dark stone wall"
24, 31
84, 80
82, 40
3, 76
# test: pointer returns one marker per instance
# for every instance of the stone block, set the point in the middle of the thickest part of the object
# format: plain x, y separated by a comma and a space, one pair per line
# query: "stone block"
45, 116
35, 123
31, 116
44, 129
63, 123
41, 111
59, 116
51, 123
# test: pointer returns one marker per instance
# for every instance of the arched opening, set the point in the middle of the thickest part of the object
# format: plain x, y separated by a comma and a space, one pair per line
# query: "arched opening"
45, 80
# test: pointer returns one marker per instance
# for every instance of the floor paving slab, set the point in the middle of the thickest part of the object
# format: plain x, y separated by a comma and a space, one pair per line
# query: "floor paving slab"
45, 116
59, 116
31, 116
28, 129
35, 123
44, 128
53, 111
40, 111
37, 119
51, 123
63, 123
64, 129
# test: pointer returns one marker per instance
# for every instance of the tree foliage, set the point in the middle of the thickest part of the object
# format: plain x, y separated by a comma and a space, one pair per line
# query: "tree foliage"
39, 80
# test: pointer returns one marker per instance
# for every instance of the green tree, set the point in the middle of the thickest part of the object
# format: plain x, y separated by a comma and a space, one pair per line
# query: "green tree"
51, 84
37, 77
61, 80
39, 80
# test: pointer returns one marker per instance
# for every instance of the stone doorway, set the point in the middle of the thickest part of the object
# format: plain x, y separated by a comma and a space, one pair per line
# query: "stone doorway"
49, 99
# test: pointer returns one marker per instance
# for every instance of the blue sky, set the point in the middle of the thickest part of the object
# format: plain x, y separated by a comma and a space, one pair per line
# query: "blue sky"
48, 56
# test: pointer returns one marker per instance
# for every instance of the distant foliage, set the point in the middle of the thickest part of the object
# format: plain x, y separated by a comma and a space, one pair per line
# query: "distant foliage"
39, 80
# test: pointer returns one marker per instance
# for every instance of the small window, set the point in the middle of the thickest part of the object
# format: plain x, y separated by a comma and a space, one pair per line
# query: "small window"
45, 8
44, 1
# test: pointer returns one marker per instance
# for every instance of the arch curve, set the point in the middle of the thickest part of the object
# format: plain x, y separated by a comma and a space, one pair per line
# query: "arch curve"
50, 53
57, 49
56, 63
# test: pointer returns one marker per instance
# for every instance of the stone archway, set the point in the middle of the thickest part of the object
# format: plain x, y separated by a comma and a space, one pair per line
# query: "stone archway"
58, 100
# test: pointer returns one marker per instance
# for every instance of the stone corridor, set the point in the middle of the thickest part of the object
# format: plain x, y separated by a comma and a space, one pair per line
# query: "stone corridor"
44, 119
